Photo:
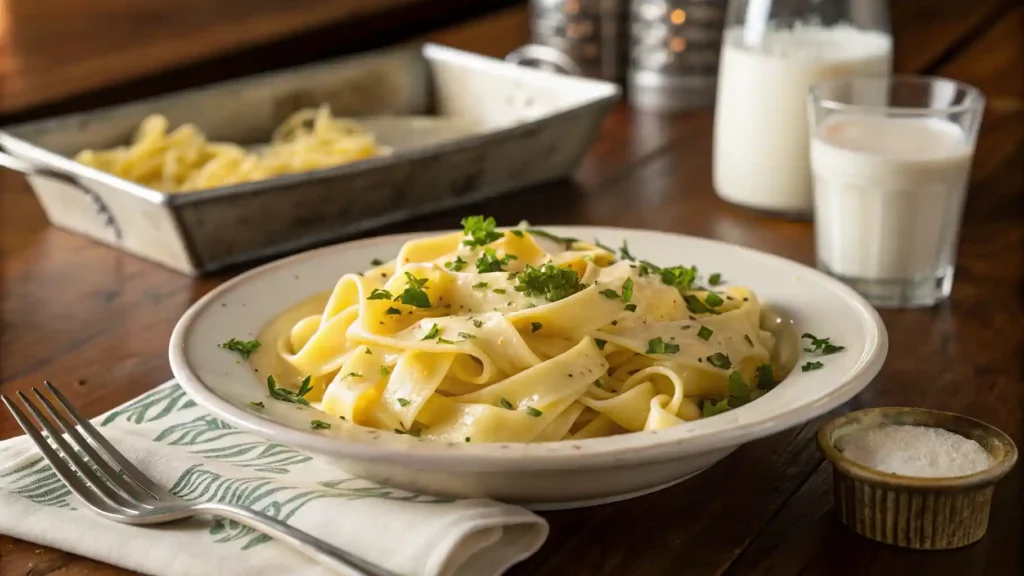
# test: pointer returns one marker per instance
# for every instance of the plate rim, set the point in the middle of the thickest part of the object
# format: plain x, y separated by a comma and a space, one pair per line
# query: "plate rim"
651, 446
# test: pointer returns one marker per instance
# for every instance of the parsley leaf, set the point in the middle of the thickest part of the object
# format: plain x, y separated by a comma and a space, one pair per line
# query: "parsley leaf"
713, 300
378, 294
444, 341
739, 393
352, 375
548, 281
478, 323
565, 240
489, 261
392, 310
693, 304
466, 335
257, 404
715, 279
811, 366
710, 407
610, 294
765, 379
319, 425
505, 404
243, 347
600, 343
376, 262
480, 231
705, 333
821, 345
627, 290
679, 277
749, 341
432, 333
384, 370
630, 307
517, 233
530, 410
414, 294
603, 247
305, 386
403, 402
534, 326
285, 395
479, 285
456, 265
659, 346
719, 360
498, 290
624, 252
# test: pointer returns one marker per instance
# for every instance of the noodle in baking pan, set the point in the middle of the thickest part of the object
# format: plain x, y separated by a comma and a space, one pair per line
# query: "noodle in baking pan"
183, 160
519, 336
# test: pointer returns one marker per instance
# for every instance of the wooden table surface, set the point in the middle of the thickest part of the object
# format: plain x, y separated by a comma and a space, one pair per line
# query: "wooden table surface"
73, 310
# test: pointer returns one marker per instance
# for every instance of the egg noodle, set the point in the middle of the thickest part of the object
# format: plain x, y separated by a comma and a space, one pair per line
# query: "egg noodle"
486, 336
184, 160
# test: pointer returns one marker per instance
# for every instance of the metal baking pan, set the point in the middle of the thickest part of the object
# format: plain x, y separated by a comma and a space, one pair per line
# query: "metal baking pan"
497, 126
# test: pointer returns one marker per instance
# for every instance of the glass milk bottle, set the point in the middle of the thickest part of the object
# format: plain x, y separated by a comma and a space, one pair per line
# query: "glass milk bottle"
773, 51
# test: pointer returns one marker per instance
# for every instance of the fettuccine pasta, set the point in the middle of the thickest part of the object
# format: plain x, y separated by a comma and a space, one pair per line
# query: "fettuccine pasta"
183, 160
498, 336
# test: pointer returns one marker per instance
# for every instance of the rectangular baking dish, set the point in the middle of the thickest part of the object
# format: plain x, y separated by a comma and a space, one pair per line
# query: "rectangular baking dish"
528, 126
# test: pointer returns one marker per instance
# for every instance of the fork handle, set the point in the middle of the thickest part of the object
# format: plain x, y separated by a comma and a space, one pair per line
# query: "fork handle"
309, 545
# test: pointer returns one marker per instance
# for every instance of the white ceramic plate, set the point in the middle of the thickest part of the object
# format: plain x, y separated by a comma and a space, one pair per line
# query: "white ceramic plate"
545, 475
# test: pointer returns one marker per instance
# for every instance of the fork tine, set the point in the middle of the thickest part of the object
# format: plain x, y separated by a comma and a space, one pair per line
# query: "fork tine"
80, 464
71, 480
131, 490
104, 445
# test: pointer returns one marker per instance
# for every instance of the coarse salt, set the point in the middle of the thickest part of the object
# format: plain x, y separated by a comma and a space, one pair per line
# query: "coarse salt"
915, 451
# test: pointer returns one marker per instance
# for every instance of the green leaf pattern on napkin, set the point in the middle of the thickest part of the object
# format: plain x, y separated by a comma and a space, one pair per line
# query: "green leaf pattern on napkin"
214, 440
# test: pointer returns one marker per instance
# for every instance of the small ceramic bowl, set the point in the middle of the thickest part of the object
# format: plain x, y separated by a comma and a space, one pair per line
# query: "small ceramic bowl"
908, 511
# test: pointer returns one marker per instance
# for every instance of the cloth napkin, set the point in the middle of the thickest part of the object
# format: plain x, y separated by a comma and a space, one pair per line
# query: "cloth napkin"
200, 458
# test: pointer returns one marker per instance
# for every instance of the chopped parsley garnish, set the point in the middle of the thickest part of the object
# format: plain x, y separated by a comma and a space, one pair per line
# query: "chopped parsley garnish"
403, 402
765, 379
624, 252
479, 285
478, 323
821, 345
378, 294
351, 375
719, 360
715, 279
243, 347
480, 231
413, 295
679, 277
630, 307
811, 366
530, 410
319, 425
499, 290
600, 343
693, 304
505, 404
548, 281
414, 431
444, 341
392, 310
566, 240
517, 234
610, 294
713, 300
534, 326
466, 439
739, 393
285, 395
705, 333
489, 261
456, 265
257, 404
627, 290
432, 333
598, 384
659, 346
603, 247
384, 370
749, 341
466, 335
711, 407
376, 262
368, 352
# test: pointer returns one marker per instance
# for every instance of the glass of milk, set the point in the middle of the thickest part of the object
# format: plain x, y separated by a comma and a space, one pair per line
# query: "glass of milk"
891, 159
772, 52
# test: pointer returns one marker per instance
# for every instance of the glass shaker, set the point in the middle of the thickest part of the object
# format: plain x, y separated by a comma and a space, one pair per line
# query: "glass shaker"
773, 51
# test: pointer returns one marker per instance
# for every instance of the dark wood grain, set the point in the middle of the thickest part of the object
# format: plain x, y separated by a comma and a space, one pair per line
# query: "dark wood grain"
72, 310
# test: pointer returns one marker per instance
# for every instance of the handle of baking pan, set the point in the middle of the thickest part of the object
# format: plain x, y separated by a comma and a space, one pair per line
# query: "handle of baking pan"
29, 169
539, 55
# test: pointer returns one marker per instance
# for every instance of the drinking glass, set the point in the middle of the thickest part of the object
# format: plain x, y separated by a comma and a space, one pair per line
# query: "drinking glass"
891, 161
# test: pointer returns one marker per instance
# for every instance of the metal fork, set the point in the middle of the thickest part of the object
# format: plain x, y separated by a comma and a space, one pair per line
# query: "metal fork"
115, 489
